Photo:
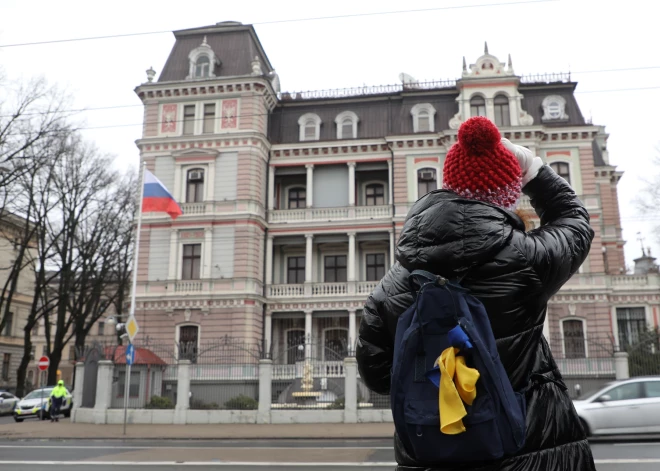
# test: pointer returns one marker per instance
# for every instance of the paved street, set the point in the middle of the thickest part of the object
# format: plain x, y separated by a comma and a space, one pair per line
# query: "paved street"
301, 455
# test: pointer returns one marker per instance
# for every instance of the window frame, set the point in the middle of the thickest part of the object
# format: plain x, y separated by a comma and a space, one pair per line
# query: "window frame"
366, 264
646, 390
335, 268
429, 110
209, 119
6, 366
376, 184
418, 172
186, 355
8, 330
562, 329
192, 259
101, 328
502, 111
340, 122
197, 64
188, 120
640, 390
199, 186
309, 120
296, 188
297, 268
644, 320
478, 106
559, 163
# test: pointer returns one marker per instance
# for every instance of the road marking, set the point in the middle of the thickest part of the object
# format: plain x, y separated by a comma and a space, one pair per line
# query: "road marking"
137, 447
262, 463
637, 444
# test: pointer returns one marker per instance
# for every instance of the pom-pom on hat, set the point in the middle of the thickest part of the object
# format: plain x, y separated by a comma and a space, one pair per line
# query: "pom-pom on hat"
479, 167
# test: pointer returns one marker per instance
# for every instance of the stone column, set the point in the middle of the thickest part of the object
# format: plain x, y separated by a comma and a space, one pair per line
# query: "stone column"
78, 388
210, 182
208, 253
621, 369
178, 183
352, 335
350, 390
174, 239
268, 333
310, 184
390, 185
104, 376
351, 183
271, 187
265, 391
351, 256
392, 247
269, 259
182, 392
308, 257
308, 335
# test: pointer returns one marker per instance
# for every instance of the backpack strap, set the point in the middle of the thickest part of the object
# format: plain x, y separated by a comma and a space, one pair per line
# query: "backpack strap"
418, 278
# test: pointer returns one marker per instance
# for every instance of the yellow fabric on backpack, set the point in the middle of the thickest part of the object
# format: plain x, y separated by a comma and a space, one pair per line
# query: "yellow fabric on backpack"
457, 385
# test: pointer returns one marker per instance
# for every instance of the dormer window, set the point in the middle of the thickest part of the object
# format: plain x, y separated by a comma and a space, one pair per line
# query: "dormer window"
477, 106
554, 108
202, 67
310, 127
347, 123
423, 115
502, 116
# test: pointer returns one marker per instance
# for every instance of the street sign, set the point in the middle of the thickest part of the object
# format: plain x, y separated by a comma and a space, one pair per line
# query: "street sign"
130, 354
132, 327
43, 363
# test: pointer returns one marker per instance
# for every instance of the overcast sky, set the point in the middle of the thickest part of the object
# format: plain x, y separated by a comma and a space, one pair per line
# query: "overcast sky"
579, 36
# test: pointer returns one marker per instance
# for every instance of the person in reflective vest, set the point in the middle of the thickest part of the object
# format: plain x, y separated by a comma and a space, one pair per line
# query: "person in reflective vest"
57, 398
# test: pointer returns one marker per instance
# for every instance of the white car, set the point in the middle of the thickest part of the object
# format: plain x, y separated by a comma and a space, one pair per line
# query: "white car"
621, 407
7, 402
37, 405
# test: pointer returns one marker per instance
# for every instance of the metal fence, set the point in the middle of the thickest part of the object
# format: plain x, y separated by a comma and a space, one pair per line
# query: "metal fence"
644, 354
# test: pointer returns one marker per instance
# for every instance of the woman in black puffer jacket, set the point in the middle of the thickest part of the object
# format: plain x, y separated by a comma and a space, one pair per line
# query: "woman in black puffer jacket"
472, 231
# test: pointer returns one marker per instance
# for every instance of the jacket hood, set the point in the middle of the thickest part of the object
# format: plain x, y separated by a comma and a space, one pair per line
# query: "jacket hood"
60, 383
446, 234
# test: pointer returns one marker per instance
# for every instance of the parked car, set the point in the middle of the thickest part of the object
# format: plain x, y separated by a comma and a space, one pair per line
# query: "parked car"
621, 407
7, 402
37, 405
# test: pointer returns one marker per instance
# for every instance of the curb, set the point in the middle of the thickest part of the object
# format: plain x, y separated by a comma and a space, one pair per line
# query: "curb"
198, 439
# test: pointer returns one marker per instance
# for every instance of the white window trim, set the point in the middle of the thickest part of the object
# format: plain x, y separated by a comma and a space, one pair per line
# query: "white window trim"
648, 315
415, 111
374, 251
561, 160
363, 191
297, 253
422, 165
301, 124
216, 120
179, 262
202, 50
187, 168
329, 253
584, 333
177, 334
195, 119
509, 101
341, 117
323, 332
286, 196
482, 96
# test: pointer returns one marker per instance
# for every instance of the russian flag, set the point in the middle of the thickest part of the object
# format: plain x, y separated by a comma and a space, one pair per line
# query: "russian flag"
157, 199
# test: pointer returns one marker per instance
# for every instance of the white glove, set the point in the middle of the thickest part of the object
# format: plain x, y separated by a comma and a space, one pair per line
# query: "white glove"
529, 164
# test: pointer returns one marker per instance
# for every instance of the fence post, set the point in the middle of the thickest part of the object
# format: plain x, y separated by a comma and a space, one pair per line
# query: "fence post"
265, 390
78, 389
350, 390
182, 392
104, 380
621, 369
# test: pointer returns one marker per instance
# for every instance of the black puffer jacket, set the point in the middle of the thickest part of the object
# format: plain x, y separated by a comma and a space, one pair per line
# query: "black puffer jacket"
514, 273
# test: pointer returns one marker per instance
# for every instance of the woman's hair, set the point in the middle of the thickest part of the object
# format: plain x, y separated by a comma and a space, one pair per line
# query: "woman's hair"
526, 218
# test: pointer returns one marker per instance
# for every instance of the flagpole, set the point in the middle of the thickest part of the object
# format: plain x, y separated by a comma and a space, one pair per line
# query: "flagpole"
137, 242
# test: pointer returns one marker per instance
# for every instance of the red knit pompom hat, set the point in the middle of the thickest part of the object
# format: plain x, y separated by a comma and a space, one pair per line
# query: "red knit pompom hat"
479, 167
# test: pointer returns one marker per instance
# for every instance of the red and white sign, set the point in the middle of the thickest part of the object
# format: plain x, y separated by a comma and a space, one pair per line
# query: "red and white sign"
43, 363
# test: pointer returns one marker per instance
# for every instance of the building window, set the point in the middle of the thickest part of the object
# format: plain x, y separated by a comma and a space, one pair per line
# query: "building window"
423, 115
209, 118
295, 346
101, 328
189, 119
477, 106
346, 125
133, 387
335, 269
562, 169
574, 341
426, 181
9, 324
192, 258
375, 194
375, 266
631, 322
295, 270
202, 67
6, 359
33, 352
188, 342
297, 198
502, 116
195, 186
310, 127
72, 353
336, 344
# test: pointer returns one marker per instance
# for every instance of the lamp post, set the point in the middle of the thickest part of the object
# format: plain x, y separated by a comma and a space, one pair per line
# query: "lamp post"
121, 329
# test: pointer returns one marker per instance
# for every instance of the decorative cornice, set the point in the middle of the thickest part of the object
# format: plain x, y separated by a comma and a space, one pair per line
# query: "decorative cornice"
203, 143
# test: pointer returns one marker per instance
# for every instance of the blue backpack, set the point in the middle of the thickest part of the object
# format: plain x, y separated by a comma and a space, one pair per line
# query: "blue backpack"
443, 343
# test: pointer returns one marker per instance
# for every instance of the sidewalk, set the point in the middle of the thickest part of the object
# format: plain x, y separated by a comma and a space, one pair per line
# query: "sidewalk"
67, 430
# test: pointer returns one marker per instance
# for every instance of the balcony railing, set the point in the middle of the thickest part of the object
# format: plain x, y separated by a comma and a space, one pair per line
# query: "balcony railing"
348, 288
215, 207
329, 214
188, 286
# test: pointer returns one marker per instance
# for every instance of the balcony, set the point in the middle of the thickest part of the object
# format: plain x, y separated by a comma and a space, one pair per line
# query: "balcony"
214, 208
348, 288
330, 214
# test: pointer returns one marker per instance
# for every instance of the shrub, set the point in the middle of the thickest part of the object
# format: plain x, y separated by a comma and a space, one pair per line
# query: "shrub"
242, 402
158, 402
337, 404
198, 404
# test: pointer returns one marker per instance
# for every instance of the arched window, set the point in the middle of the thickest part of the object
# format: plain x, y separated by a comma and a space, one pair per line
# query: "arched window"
374, 194
297, 198
188, 342
310, 127
195, 185
202, 67
574, 339
562, 169
477, 106
336, 344
502, 116
423, 115
346, 125
427, 181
